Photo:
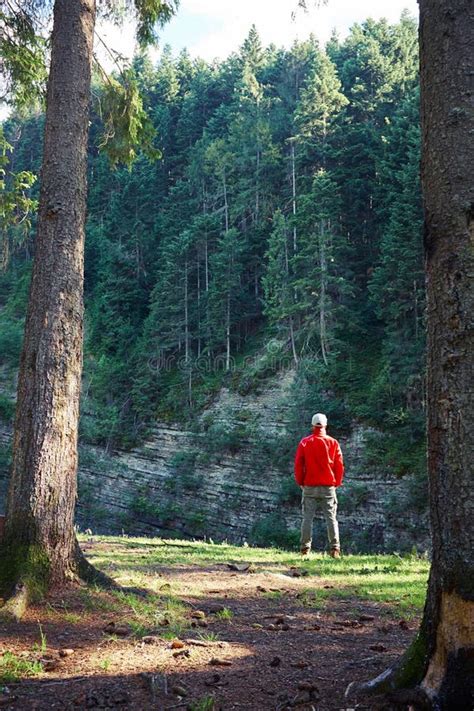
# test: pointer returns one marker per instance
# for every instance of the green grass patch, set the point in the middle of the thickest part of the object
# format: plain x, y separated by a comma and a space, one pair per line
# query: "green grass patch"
208, 636
42, 645
96, 600
206, 703
399, 582
14, 668
273, 595
165, 616
403, 588
72, 618
225, 615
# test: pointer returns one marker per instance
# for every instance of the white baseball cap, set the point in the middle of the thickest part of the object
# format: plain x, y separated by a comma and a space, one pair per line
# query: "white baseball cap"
319, 420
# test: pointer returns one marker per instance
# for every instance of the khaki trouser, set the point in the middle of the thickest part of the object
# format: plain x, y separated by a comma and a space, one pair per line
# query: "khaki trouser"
326, 498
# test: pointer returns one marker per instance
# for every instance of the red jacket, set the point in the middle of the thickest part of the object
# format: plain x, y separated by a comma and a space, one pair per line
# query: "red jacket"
318, 461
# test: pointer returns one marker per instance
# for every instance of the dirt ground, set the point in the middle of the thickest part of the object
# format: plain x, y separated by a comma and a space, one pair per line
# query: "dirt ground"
254, 640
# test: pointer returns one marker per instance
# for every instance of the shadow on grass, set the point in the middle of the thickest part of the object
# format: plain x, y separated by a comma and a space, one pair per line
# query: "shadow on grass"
253, 681
267, 659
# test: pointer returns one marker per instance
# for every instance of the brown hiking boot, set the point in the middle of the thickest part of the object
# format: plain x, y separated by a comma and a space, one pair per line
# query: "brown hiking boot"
335, 553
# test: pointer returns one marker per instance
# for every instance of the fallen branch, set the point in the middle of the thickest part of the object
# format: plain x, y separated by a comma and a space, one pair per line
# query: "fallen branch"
40, 682
357, 662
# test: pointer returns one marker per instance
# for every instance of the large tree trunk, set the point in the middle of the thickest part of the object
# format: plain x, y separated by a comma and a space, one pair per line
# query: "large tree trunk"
447, 114
441, 660
39, 544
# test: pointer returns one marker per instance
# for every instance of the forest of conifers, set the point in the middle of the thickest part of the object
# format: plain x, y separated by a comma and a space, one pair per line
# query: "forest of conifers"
281, 228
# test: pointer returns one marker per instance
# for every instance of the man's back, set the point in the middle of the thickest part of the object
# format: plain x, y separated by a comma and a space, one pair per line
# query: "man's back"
318, 461
319, 470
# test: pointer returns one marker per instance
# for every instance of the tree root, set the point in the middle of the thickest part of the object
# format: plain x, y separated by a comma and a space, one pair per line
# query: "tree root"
15, 607
411, 698
415, 699
26, 578
402, 677
436, 671
90, 574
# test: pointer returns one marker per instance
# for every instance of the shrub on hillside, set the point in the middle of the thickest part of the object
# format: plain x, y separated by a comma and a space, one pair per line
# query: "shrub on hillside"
5, 460
290, 492
11, 337
7, 409
273, 531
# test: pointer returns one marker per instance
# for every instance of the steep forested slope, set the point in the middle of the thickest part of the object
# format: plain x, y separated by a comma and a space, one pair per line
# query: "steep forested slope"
280, 229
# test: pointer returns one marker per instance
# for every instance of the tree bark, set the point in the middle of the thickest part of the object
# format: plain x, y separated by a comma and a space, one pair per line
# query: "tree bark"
322, 293
441, 660
290, 320
447, 115
293, 193
39, 547
227, 333
186, 315
198, 298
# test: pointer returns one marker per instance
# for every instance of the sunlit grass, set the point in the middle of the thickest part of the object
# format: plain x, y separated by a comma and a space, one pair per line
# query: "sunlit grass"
403, 593
72, 618
165, 616
208, 636
398, 581
225, 615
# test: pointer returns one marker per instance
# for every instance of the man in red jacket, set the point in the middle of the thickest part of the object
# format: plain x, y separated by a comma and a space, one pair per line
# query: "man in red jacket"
319, 469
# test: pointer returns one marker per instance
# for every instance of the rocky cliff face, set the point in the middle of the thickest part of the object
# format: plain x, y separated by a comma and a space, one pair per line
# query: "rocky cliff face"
224, 481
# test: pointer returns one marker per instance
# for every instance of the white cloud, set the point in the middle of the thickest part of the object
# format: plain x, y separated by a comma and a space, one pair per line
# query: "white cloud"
273, 19
215, 28
110, 39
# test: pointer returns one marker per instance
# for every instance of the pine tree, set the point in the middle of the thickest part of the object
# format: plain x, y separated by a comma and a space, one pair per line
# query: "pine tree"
225, 294
321, 100
289, 175
39, 546
278, 284
397, 282
319, 280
